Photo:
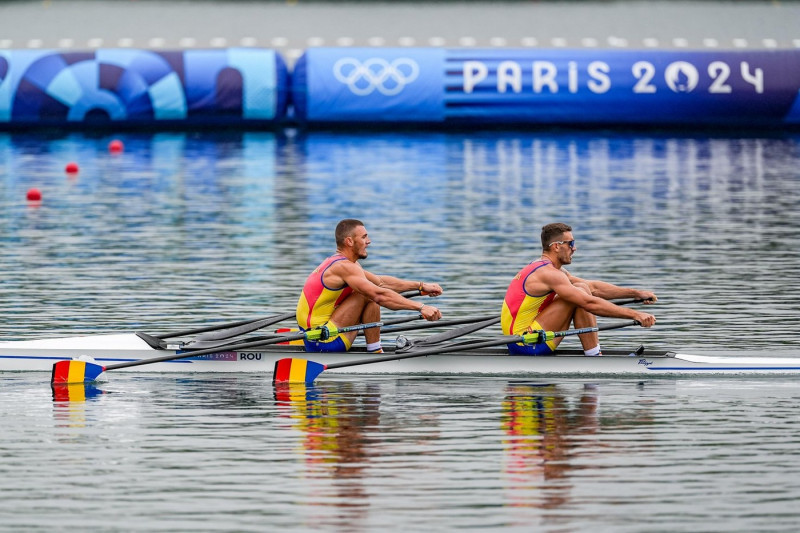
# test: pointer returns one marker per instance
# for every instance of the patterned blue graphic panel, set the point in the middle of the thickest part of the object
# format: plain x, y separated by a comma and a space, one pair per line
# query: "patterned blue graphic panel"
537, 87
140, 86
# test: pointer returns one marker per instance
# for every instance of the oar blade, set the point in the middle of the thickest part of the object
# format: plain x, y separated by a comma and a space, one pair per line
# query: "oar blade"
290, 370
75, 371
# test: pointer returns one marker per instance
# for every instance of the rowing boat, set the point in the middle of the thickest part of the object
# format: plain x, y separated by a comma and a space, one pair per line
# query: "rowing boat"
40, 355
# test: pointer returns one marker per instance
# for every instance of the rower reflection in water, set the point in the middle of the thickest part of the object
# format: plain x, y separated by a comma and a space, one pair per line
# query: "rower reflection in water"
335, 445
540, 427
340, 293
544, 296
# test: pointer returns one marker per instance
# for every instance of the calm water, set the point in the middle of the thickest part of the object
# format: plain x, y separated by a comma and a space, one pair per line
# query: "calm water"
184, 229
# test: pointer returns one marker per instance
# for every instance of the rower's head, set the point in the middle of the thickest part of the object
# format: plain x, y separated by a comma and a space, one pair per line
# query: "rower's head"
352, 238
557, 239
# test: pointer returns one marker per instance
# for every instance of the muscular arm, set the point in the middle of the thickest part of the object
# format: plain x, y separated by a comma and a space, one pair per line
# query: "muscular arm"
609, 291
401, 285
562, 284
364, 283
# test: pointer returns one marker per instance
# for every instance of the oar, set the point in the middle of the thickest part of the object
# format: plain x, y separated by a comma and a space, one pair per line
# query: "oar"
234, 329
244, 328
406, 344
439, 324
228, 325
293, 370
630, 301
80, 371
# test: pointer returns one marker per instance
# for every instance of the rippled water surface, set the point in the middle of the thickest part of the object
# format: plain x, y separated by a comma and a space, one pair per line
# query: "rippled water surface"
183, 229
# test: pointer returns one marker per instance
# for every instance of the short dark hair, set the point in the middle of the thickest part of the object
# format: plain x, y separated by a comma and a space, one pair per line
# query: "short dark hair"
551, 231
345, 229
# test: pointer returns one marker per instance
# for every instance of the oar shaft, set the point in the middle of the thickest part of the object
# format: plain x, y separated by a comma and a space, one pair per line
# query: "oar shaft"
497, 341
227, 325
196, 353
206, 329
439, 323
581, 331
254, 344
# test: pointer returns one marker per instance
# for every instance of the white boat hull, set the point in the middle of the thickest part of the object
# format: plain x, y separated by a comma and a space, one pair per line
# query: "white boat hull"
40, 355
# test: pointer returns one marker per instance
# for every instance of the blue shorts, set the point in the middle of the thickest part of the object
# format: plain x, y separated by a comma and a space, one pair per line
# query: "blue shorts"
339, 343
540, 348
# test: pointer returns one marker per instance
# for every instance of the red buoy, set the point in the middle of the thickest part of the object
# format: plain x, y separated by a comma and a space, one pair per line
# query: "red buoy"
34, 195
71, 168
116, 146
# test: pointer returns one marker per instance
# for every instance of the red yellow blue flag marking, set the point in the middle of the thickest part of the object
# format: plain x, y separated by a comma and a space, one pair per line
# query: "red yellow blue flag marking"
296, 371
75, 371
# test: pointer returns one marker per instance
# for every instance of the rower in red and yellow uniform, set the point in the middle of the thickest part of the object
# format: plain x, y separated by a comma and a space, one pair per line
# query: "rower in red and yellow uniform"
544, 296
520, 310
341, 293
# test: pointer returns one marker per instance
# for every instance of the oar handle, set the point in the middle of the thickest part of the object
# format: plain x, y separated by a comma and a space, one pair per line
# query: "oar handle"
631, 301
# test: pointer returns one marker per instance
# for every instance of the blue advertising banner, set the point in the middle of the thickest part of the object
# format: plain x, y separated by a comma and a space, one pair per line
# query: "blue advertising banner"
141, 86
539, 87
624, 87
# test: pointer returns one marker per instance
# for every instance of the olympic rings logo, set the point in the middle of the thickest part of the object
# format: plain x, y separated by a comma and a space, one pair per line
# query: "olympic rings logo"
376, 74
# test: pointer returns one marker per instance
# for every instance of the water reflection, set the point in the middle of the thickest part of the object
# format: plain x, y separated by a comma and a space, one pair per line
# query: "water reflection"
335, 443
69, 407
550, 432
540, 424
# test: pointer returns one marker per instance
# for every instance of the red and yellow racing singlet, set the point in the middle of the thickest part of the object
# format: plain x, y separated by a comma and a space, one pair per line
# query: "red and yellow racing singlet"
520, 309
317, 301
